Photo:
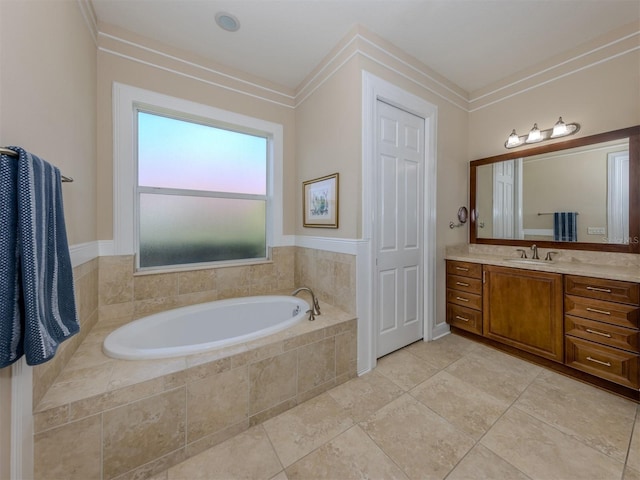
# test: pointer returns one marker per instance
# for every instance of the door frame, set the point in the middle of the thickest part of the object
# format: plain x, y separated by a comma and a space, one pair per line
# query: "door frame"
374, 89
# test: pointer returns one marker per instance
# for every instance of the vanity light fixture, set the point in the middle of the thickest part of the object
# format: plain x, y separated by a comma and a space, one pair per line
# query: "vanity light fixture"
560, 129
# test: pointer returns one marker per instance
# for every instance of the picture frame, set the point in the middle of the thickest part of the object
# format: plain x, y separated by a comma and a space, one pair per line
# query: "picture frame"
320, 202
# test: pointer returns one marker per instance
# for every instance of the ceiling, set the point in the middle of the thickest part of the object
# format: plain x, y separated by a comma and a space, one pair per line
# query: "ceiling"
473, 43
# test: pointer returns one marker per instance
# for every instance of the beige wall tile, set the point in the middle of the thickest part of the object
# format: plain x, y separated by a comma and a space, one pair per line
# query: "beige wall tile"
316, 364
158, 468
346, 353
284, 260
142, 308
50, 418
233, 281
196, 281
71, 451
272, 381
155, 286
139, 432
213, 439
264, 278
115, 279
217, 402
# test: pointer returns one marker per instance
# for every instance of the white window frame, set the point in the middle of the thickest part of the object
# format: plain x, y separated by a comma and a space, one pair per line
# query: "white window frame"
127, 100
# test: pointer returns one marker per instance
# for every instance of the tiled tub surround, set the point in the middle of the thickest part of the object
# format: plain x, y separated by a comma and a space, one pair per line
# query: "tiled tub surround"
105, 418
121, 294
86, 293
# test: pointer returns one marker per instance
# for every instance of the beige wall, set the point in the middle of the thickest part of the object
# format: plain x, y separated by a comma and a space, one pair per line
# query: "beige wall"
179, 79
567, 183
328, 140
47, 90
601, 94
47, 106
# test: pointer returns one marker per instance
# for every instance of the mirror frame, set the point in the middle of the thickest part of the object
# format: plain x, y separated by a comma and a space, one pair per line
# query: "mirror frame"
633, 133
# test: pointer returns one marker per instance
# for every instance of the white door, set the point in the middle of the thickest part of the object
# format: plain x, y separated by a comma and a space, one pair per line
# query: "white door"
504, 199
399, 228
618, 198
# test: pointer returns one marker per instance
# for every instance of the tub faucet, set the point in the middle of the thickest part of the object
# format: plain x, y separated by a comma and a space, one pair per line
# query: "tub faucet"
315, 307
535, 256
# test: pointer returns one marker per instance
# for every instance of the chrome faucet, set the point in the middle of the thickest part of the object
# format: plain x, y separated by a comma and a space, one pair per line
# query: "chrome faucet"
535, 256
315, 307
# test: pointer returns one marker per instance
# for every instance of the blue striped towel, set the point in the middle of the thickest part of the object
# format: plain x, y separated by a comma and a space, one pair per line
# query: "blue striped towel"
565, 226
37, 303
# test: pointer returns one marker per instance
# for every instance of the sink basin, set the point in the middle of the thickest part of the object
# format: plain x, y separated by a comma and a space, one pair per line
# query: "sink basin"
530, 261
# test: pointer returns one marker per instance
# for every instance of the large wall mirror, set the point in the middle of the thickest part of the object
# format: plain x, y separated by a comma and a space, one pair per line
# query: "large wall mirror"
581, 194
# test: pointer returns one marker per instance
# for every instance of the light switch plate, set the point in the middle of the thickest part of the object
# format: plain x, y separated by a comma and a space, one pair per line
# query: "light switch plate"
595, 230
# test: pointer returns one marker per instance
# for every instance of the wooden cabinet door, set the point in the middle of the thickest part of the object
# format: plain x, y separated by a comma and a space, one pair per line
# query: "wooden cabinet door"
523, 308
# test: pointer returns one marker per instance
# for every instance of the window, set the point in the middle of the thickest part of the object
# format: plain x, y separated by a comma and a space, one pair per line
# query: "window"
202, 192
176, 205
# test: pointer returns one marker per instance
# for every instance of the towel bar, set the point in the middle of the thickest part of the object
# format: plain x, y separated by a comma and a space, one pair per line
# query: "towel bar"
551, 213
11, 153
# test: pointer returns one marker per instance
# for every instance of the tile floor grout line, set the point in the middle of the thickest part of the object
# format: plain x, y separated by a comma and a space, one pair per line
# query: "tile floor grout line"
510, 405
380, 446
574, 435
636, 420
275, 452
479, 440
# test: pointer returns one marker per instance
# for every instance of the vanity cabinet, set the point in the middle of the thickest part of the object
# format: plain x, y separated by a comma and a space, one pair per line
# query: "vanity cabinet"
523, 309
464, 295
602, 328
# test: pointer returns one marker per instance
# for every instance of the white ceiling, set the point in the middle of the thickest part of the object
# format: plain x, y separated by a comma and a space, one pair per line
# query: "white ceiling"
473, 43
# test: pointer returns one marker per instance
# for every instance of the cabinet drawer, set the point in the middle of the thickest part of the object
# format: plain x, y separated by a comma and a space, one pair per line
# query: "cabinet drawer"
599, 332
464, 284
609, 312
602, 289
464, 318
464, 269
609, 363
468, 300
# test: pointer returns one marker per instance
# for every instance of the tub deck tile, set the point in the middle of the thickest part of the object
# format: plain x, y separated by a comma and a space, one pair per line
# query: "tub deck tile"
95, 386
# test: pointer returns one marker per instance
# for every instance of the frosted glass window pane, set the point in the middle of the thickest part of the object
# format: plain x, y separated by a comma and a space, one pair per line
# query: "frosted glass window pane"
177, 230
178, 154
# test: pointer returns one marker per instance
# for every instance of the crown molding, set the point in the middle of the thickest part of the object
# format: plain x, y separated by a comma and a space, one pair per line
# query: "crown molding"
359, 44
90, 19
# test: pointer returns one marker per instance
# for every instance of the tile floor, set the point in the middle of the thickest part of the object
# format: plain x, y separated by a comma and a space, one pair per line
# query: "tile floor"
451, 409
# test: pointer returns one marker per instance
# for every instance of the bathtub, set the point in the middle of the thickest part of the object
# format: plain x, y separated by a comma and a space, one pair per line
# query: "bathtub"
204, 327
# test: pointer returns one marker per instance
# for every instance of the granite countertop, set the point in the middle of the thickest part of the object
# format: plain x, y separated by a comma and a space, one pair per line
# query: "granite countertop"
606, 266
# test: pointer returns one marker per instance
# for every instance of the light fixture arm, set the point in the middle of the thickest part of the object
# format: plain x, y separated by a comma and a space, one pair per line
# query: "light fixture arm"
560, 129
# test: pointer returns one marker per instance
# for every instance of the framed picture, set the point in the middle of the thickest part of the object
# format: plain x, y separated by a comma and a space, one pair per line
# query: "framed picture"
320, 204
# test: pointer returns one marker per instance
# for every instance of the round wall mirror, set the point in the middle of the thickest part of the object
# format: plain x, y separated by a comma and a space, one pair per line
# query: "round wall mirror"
462, 214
